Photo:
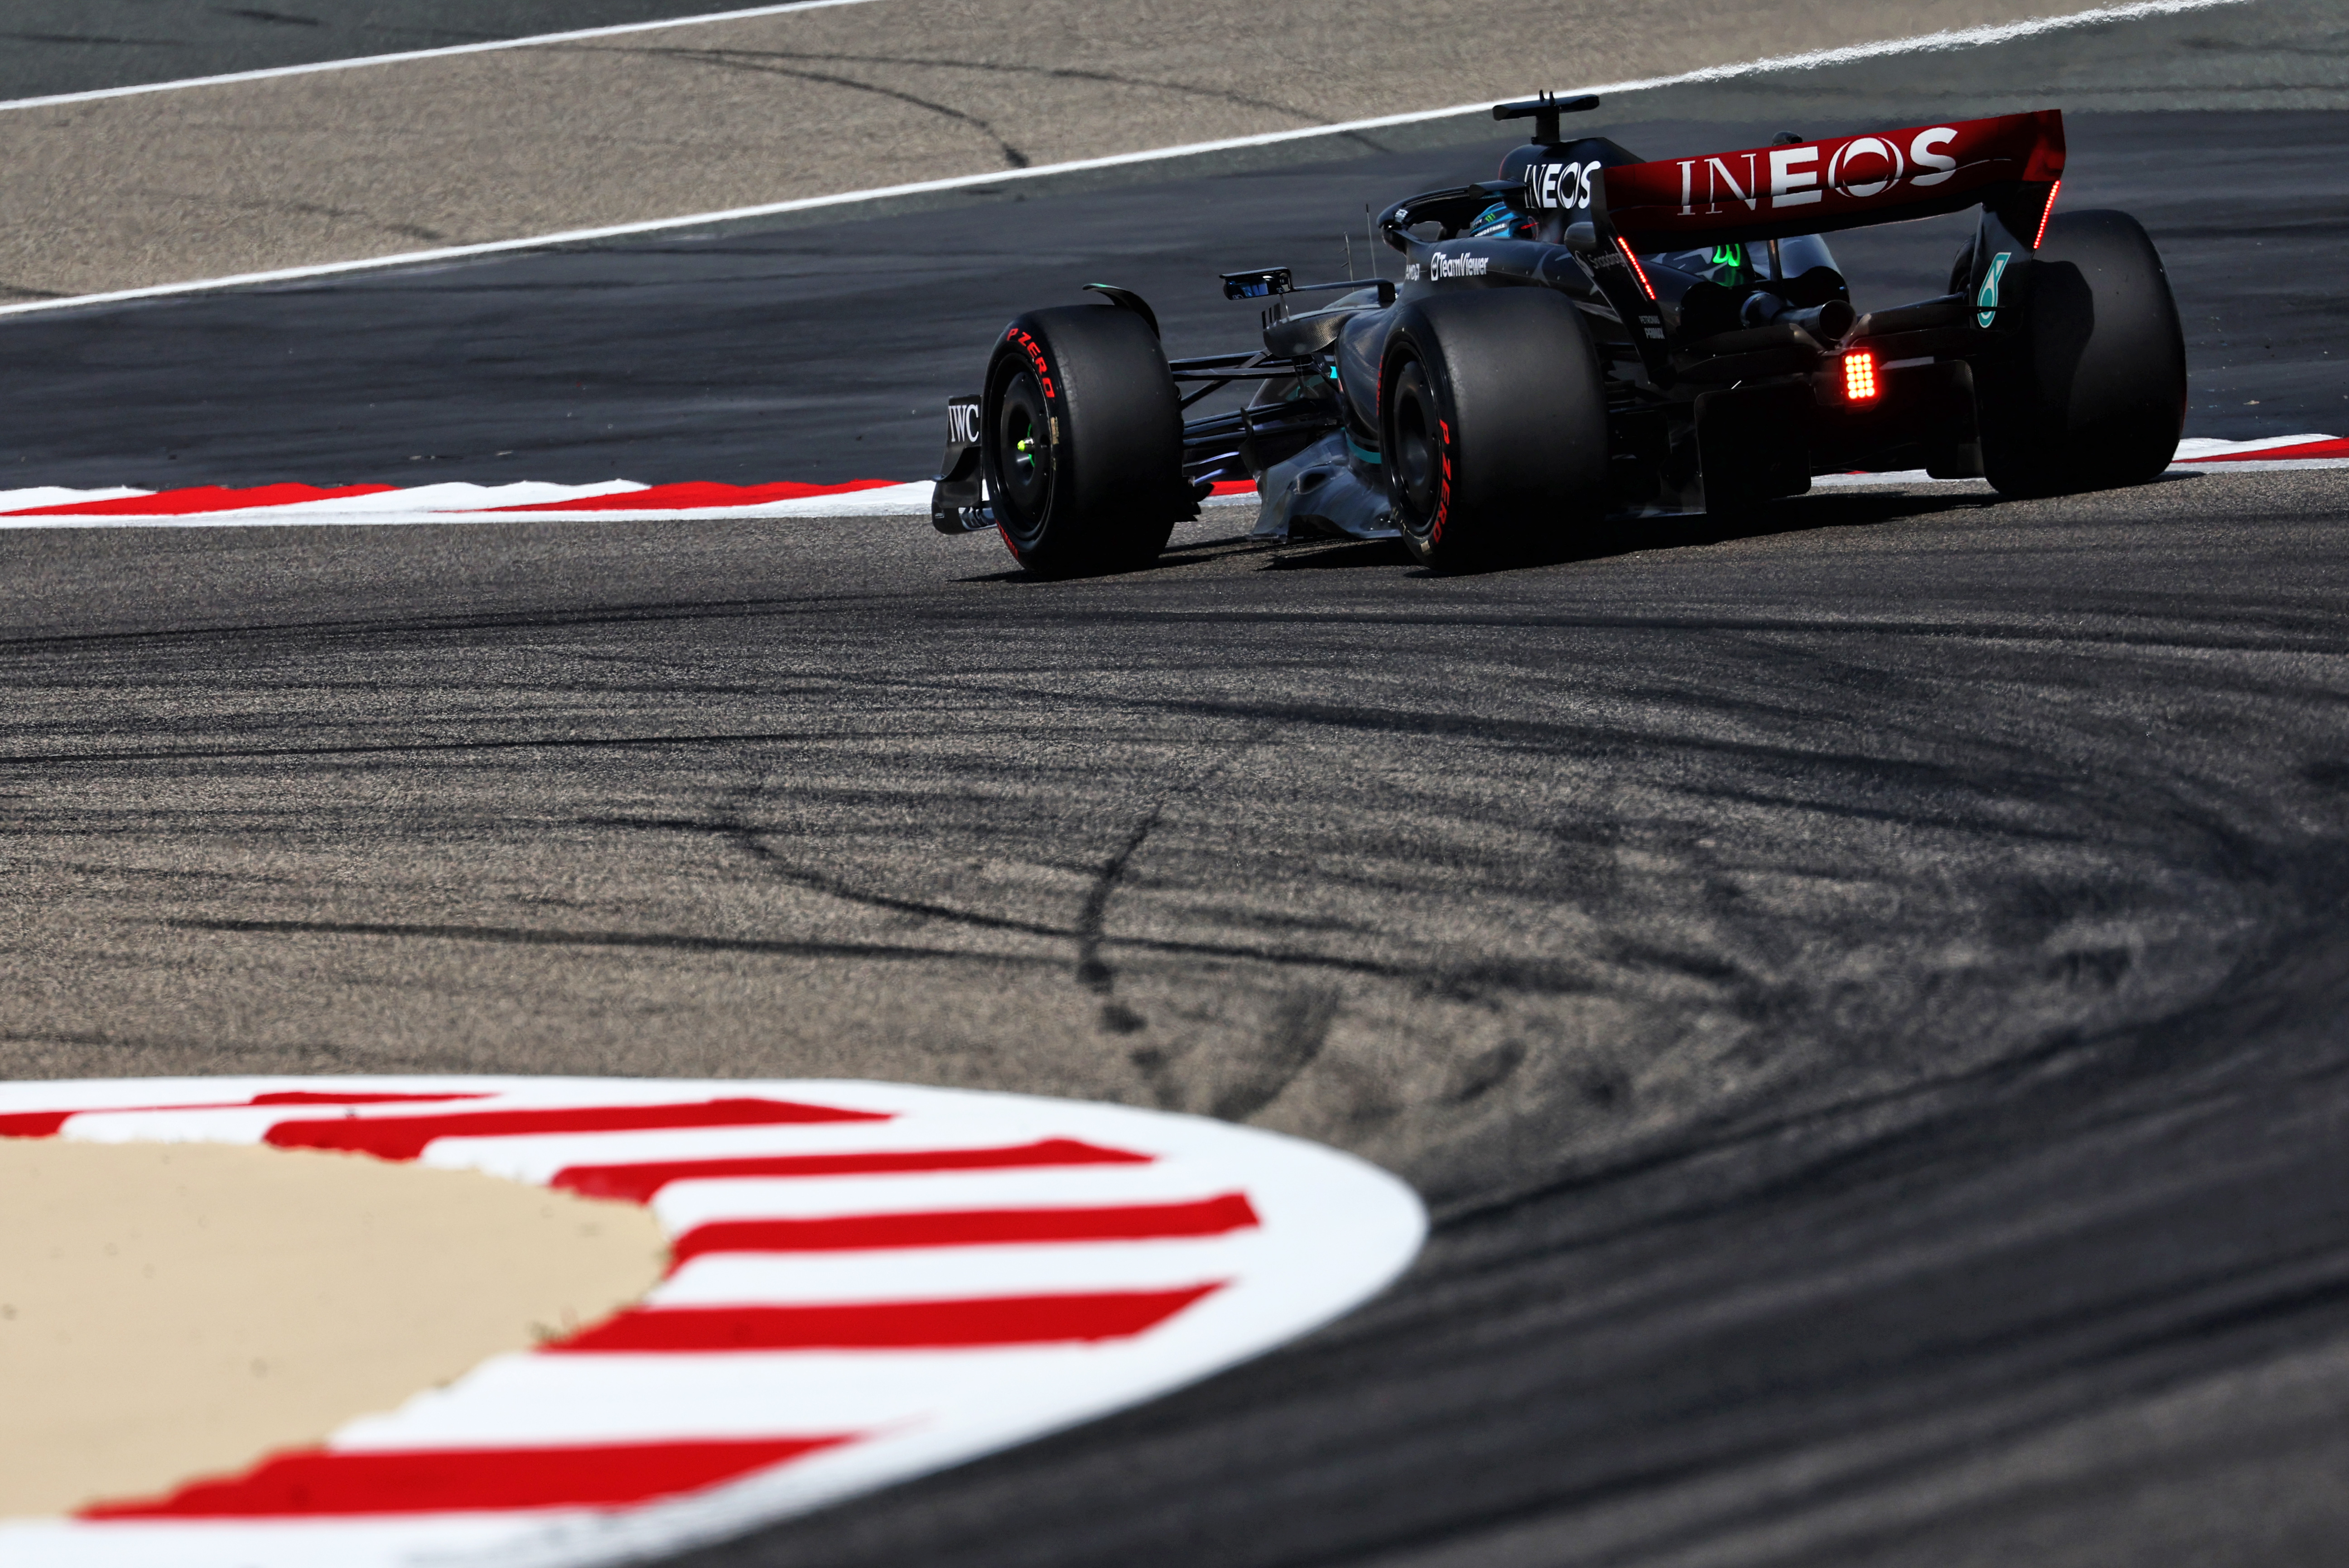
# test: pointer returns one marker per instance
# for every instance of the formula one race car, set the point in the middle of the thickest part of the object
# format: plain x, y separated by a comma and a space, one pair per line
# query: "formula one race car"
1590, 339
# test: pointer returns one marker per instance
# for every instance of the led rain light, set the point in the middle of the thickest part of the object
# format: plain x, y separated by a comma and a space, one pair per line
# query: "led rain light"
1637, 270
1859, 376
2047, 213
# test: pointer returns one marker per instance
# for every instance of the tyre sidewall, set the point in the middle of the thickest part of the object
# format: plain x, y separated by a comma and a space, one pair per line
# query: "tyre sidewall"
1520, 399
2094, 394
1114, 428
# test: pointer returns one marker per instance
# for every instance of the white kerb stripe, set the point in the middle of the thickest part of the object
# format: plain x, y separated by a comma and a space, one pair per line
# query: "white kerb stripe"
959, 1273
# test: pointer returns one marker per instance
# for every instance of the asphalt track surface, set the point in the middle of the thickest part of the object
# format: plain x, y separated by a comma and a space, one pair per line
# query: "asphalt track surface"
86, 46
1863, 997
825, 354
160, 187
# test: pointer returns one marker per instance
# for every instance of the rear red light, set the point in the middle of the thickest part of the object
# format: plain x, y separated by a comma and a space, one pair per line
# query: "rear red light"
1637, 270
1859, 376
2047, 213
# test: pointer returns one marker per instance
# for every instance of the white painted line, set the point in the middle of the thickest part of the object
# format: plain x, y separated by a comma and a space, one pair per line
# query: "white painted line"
1956, 39
356, 62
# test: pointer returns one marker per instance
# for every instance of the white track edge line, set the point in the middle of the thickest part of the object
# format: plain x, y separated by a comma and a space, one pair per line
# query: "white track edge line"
356, 62
1960, 39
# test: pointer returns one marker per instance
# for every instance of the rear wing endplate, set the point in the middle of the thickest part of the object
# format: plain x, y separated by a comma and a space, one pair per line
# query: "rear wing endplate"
2010, 165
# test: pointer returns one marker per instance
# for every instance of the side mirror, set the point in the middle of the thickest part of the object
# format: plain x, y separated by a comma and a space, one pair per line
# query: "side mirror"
1582, 239
1264, 283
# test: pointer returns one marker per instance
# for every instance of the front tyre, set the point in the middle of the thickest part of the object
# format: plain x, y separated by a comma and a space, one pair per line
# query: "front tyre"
2094, 396
1493, 420
1082, 434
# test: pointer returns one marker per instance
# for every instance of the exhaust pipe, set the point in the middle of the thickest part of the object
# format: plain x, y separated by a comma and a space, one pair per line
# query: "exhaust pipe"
1829, 323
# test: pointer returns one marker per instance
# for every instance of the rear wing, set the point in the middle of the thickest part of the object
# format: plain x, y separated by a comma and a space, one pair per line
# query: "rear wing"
2010, 165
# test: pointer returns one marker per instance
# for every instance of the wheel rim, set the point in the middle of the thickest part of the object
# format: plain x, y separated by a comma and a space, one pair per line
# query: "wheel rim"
1023, 449
1417, 454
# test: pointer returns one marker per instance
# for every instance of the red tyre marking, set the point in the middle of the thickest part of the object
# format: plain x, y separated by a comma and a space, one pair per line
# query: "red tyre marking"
449, 1479
404, 1137
638, 1183
1035, 352
883, 1326
971, 1228
1442, 484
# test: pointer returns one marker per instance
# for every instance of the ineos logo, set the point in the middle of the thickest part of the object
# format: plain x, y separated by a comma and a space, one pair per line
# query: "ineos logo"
962, 423
1556, 187
1854, 163
1861, 167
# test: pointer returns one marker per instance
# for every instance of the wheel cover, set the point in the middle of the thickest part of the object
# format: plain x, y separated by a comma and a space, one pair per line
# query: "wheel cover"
1023, 455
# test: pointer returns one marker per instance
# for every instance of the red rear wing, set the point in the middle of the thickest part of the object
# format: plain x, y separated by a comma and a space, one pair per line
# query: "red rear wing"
1839, 182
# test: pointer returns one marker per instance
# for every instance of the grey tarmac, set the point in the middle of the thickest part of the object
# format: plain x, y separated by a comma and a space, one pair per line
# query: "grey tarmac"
297, 170
1863, 994
1863, 998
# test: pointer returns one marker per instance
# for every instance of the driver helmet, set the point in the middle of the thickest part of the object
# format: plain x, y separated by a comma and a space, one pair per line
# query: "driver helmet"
1501, 221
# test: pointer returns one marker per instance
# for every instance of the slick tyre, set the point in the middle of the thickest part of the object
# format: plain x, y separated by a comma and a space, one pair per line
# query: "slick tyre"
2094, 394
1493, 414
1081, 433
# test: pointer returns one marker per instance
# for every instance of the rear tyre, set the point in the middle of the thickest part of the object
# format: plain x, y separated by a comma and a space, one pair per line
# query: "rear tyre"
1081, 431
1493, 420
2096, 396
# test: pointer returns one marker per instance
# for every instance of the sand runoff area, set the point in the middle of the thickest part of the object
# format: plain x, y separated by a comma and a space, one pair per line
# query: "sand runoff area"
176, 1310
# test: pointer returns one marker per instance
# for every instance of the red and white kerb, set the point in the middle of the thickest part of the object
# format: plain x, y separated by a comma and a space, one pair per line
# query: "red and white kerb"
870, 1281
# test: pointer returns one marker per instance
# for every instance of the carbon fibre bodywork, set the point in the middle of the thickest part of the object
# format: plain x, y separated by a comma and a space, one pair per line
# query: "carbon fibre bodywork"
1735, 364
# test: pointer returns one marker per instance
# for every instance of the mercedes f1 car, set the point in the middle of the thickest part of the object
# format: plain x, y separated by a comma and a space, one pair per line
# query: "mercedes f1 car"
1589, 339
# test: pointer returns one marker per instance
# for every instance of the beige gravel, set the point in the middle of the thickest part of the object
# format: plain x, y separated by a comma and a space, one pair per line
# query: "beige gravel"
175, 1310
159, 187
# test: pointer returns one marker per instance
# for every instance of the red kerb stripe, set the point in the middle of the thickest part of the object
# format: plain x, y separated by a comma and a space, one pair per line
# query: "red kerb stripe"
638, 1183
2337, 446
971, 1228
680, 497
448, 1479
203, 498
45, 1124
404, 1137
884, 1325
